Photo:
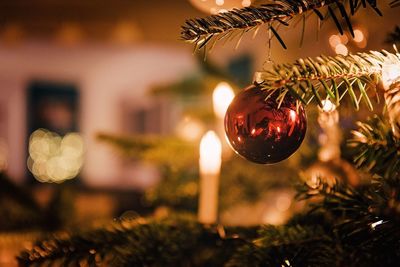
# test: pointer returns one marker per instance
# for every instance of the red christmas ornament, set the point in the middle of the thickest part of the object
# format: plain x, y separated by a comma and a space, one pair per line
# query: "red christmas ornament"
259, 131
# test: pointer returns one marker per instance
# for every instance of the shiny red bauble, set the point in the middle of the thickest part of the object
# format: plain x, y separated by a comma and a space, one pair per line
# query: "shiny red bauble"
260, 132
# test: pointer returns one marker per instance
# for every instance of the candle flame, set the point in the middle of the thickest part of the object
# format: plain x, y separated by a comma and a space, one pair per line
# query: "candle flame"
222, 97
210, 153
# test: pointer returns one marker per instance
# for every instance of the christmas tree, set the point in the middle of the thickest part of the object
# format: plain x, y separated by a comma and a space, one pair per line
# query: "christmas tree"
346, 222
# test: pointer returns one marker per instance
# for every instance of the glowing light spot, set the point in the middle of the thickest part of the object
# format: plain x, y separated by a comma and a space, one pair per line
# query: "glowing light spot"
190, 129
375, 224
334, 40
328, 106
219, 2
341, 49
292, 115
287, 263
69, 34
358, 36
246, 3
278, 129
53, 158
253, 131
283, 203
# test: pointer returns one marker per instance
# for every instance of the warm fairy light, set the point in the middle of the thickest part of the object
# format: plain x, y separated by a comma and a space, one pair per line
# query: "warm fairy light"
341, 49
334, 40
246, 3
292, 115
190, 129
375, 224
358, 36
390, 71
328, 106
222, 97
210, 154
274, 216
287, 262
283, 202
53, 158
70, 34
314, 180
219, 6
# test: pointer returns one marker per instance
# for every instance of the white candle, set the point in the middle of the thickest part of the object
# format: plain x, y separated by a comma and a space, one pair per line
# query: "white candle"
210, 165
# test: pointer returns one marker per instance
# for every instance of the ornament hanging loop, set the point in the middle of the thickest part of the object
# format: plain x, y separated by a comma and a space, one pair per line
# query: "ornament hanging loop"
269, 60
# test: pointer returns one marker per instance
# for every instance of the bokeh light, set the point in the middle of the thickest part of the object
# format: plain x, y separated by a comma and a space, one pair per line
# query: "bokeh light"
328, 106
190, 129
334, 40
358, 36
341, 49
53, 158
219, 6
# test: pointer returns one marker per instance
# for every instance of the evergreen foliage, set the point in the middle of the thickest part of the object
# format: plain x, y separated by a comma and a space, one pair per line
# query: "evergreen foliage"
237, 22
347, 227
356, 76
342, 226
394, 36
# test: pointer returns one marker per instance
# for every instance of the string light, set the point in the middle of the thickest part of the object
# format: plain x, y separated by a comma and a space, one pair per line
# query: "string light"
190, 129
283, 202
246, 3
328, 106
334, 40
341, 49
375, 224
358, 36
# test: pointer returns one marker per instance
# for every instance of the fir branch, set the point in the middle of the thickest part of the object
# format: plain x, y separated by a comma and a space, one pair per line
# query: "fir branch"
329, 77
394, 36
206, 30
377, 150
140, 242
291, 245
366, 219
394, 3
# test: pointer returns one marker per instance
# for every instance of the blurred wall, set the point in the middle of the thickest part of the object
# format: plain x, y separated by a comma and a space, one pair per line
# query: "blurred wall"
106, 77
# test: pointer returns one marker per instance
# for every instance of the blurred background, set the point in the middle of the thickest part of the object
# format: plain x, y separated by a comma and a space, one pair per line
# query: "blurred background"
102, 109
